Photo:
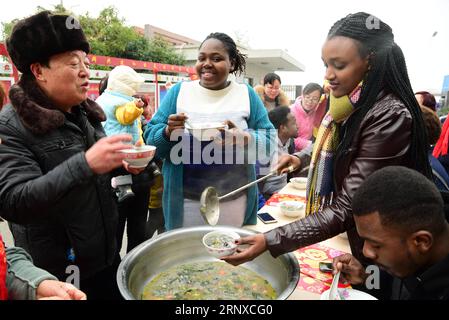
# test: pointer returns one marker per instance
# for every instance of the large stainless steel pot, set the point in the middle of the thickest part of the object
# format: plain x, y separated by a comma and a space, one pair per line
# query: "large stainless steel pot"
184, 245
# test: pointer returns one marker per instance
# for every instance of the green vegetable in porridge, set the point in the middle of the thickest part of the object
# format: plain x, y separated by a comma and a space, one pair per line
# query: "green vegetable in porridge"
208, 281
220, 241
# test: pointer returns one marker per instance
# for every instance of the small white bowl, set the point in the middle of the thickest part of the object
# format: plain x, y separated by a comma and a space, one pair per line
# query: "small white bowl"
292, 209
299, 183
349, 294
139, 157
205, 131
343, 235
220, 243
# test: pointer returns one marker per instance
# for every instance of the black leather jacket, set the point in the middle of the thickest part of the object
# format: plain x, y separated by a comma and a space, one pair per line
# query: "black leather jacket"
383, 140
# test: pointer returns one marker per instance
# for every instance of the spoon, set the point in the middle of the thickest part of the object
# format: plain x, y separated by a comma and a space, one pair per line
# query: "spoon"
333, 291
210, 201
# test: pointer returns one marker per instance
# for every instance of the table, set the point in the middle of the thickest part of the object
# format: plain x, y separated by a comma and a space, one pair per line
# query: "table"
339, 243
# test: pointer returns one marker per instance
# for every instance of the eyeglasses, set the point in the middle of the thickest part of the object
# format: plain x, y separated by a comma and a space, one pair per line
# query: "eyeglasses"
310, 99
271, 88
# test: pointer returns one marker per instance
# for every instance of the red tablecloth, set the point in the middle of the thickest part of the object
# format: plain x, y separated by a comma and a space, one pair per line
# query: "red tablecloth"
279, 197
311, 278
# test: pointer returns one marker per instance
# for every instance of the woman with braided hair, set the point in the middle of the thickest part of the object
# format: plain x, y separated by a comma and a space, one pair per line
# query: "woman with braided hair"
211, 98
373, 121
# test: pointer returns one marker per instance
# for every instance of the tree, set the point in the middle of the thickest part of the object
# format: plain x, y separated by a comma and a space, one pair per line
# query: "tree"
241, 38
160, 50
7, 26
109, 36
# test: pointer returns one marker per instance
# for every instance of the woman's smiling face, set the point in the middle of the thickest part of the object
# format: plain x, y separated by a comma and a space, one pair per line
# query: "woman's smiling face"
213, 65
345, 68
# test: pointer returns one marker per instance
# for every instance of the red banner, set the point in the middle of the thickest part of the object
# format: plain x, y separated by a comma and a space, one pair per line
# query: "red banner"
142, 65
4, 52
135, 64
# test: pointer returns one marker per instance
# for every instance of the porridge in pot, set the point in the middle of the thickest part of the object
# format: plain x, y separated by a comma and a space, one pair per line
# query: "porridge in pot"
208, 281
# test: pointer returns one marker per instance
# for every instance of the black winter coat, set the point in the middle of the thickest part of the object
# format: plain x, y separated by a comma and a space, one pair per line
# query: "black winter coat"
47, 190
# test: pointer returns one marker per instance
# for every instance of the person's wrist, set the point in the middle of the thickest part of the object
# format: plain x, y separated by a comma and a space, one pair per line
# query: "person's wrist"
264, 243
167, 132
39, 286
89, 160
363, 274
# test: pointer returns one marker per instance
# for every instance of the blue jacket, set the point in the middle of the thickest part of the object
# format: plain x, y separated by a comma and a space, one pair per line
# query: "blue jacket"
173, 199
440, 176
109, 101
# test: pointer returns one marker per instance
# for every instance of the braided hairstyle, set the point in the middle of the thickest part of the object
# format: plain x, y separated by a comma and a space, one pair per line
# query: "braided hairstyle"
237, 58
387, 71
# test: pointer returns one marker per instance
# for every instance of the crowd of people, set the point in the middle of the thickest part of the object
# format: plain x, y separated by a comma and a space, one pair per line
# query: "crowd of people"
374, 152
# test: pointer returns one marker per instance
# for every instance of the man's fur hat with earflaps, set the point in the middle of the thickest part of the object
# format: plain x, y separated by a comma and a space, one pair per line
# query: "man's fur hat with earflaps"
37, 38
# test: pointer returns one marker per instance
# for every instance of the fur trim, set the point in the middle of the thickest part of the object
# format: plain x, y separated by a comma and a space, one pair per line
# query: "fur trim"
93, 110
38, 113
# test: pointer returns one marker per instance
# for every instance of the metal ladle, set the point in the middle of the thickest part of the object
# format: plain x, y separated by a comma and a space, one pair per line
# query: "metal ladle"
210, 201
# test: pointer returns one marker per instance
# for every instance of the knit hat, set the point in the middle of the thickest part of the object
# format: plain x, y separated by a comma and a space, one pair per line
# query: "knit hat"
37, 38
124, 80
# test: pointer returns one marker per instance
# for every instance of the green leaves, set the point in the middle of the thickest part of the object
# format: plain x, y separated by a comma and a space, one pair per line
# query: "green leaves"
161, 51
108, 35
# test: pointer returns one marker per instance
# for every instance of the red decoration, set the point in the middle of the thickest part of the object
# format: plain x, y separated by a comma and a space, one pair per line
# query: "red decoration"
311, 278
137, 64
3, 270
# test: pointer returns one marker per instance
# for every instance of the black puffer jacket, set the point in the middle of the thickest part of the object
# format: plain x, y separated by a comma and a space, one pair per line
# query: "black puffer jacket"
47, 190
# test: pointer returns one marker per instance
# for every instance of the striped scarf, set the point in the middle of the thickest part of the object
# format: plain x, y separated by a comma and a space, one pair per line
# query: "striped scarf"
320, 181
